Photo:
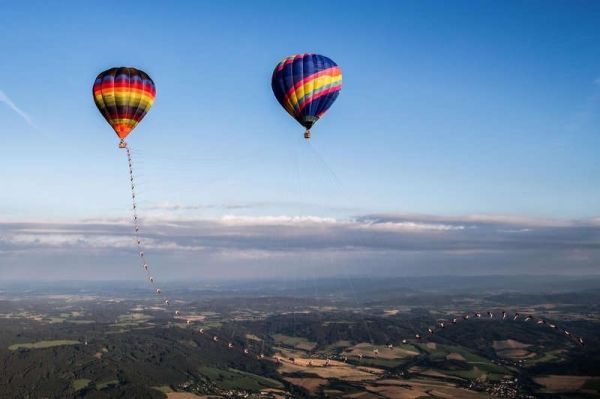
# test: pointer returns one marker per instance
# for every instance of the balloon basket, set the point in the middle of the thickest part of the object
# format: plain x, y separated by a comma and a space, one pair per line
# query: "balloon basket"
122, 144
307, 134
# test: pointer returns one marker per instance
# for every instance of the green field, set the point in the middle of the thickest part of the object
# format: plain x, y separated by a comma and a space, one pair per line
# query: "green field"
296, 342
80, 384
480, 366
42, 344
106, 384
237, 379
164, 389
378, 362
441, 351
546, 357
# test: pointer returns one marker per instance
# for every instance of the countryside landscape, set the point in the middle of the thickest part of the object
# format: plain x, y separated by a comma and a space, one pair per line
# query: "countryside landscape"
278, 339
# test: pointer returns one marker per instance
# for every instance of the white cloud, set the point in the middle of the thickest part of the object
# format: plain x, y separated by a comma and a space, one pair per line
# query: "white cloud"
234, 220
234, 244
410, 226
310, 233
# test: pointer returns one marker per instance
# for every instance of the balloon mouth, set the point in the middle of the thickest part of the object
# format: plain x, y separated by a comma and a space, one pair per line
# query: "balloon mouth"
308, 121
122, 130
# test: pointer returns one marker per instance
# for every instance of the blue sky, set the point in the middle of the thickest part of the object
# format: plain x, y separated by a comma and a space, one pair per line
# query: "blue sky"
448, 109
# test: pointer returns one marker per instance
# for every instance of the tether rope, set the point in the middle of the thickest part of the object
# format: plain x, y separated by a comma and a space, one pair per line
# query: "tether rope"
443, 324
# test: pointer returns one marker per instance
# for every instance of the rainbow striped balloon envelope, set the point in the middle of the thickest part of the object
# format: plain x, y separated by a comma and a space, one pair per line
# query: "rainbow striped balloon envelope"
306, 85
124, 96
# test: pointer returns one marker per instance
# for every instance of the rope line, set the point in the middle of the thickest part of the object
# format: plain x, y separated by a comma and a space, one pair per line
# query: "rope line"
420, 336
138, 240
145, 264
443, 324
247, 350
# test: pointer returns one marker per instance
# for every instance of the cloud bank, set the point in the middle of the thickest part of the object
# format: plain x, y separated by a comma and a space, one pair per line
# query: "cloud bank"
272, 246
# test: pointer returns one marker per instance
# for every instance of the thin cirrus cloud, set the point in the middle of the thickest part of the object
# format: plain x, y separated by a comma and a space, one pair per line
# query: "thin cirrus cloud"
6, 100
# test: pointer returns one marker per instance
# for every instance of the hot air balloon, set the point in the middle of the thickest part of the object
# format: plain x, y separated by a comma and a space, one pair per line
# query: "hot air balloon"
123, 96
306, 85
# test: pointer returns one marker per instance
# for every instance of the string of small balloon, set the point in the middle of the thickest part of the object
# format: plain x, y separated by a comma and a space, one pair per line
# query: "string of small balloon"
441, 325
140, 248
444, 324
138, 240
538, 320
418, 337
142, 255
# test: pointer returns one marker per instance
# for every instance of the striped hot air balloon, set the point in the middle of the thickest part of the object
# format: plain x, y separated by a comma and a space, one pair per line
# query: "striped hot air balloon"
306, 85
124, 96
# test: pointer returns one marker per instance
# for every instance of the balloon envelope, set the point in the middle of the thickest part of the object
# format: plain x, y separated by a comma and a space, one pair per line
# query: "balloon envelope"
123, 96
306, 85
